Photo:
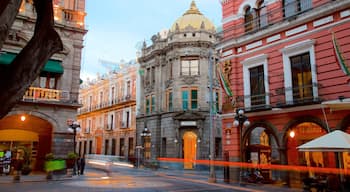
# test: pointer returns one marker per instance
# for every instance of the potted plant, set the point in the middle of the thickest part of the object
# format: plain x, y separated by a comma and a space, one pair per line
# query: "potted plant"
71, 157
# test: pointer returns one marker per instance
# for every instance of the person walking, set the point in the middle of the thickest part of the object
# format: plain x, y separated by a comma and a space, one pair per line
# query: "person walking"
78, 166
82, 165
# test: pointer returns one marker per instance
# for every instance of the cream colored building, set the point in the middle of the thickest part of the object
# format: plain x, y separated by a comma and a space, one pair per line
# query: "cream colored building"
175, 94
107, 116
37, 124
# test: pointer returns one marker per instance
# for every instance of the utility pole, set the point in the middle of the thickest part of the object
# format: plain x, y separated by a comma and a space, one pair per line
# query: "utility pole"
212, 177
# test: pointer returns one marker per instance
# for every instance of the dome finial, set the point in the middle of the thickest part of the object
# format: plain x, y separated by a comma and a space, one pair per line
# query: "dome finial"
193, 9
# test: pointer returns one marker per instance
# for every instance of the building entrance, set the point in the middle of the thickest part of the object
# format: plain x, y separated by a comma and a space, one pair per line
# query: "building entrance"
189, 149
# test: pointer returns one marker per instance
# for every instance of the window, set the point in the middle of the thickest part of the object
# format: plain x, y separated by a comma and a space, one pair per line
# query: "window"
127, 119
189, 99
112, 95
190, 66
131, 147
153, 75
261, 13
248, 19
300, 72
293, 7
121, 147
128, 88
150, 104
257, 86
47, 81
169, 100
113, 146
153, 103
101, 99
255, 78
106, 146
110, 124
301, 77
147, 105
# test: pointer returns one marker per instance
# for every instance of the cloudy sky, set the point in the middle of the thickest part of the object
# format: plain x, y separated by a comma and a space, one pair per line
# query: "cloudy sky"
116, 28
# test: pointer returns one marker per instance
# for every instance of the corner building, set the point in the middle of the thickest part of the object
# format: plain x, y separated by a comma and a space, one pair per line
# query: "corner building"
283, 69
108, 114
174, 93
53, 96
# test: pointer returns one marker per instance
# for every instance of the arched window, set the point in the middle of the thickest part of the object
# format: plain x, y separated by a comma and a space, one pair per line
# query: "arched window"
261, 13
248, 19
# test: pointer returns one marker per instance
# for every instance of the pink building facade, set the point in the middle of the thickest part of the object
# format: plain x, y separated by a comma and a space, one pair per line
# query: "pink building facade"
283, 62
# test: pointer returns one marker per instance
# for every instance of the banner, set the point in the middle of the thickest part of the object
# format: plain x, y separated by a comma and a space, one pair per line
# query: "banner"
340, 59
223, 81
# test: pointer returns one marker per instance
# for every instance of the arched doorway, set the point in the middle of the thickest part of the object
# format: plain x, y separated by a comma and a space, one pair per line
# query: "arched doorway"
262, 148
189, 149
297, 135
28, 135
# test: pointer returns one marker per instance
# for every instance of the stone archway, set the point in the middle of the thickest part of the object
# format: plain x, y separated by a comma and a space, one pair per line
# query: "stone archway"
262, 146
31, 133
304, 129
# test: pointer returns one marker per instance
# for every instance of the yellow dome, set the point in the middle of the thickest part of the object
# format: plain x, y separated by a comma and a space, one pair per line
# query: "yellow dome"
193, 18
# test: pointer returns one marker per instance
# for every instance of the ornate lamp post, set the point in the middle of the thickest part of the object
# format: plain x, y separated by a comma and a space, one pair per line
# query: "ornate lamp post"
145, 137
73, 126
240, 121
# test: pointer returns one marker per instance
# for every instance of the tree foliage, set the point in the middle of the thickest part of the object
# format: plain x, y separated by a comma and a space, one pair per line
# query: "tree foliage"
26, 67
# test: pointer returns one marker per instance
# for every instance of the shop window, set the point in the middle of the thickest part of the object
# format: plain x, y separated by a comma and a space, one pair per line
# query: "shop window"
113, 146
106, 146
131, 147
121, 147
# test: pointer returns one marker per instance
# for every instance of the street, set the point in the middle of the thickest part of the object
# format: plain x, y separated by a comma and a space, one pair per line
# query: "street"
131, 179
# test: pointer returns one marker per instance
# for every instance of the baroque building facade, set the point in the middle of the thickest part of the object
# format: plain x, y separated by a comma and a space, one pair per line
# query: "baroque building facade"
108, 113
174, 119
37, 124
287, 70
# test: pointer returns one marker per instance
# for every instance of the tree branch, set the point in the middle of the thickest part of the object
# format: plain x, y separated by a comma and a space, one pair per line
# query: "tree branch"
8, 12
27, 66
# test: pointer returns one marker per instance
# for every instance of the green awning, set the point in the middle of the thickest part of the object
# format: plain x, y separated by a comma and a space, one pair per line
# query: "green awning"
52, 66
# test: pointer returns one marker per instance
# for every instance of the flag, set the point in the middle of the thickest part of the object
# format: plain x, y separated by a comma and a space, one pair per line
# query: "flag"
223, 81
340, 59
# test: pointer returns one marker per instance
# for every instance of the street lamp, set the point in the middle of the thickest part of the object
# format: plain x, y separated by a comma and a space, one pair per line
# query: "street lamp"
145, 136
73, 126
240, 121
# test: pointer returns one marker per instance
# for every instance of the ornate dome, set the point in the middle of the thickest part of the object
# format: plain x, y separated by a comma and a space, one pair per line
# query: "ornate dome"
194, 19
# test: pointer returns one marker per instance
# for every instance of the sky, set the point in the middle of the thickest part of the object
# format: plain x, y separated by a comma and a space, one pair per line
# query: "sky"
117, 28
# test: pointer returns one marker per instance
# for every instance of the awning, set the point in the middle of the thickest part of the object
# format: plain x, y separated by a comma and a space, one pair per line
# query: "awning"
52, 66
337, 105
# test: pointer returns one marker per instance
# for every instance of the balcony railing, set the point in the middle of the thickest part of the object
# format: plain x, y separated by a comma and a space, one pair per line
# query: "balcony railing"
43, 94
273, 16
116, 101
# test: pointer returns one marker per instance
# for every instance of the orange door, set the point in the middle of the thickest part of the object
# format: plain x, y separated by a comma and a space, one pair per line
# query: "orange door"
190, 149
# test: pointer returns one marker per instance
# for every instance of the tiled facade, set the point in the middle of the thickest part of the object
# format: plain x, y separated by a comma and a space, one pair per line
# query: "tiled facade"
53, 97
108, 114
285, 74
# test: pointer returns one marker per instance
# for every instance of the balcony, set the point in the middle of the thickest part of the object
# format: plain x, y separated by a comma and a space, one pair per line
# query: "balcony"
288, 13
37, 94
299, 95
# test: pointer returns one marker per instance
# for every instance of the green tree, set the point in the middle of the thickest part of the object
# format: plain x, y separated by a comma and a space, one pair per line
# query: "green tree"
26, 67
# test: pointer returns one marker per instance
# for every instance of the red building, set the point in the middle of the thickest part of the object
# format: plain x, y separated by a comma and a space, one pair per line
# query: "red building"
286, 62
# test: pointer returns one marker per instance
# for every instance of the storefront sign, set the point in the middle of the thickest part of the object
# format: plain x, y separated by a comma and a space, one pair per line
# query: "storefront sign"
188, 123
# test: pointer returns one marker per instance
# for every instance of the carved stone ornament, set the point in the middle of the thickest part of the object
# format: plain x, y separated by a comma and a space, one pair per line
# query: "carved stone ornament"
168, 83
189, 80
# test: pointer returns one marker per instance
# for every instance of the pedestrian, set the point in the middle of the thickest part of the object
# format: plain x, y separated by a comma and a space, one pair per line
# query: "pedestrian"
78, 166
82, 165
